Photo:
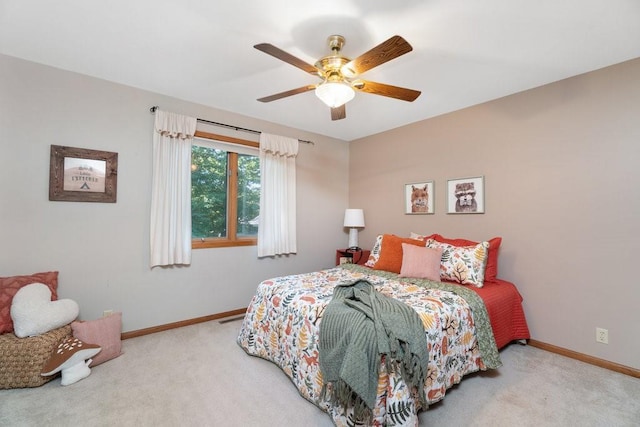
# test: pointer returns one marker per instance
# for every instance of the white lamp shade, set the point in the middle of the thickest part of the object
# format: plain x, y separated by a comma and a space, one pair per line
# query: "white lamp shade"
354, 218
335, 94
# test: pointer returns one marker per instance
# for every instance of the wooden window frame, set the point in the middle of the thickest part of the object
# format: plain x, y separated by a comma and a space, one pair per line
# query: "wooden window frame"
232, 239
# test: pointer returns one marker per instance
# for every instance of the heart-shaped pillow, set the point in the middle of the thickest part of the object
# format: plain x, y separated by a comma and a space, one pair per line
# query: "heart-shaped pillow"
33, 313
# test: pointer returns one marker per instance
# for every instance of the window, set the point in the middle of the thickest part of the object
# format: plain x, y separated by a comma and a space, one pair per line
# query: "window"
225, 191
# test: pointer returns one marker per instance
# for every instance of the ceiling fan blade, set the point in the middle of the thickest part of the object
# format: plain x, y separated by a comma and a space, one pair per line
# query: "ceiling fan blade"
386, 51
396, 92
287, 93
287, 57
339, 113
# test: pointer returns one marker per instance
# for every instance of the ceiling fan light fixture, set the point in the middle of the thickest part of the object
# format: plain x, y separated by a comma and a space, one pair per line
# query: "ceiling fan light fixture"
335, 94
340, 74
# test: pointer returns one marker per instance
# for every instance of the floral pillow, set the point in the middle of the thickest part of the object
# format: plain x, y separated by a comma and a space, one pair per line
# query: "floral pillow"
422, 236
462, 264
375, 252
491, 272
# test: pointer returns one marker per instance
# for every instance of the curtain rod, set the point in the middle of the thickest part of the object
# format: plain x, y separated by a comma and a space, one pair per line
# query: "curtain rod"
237, 128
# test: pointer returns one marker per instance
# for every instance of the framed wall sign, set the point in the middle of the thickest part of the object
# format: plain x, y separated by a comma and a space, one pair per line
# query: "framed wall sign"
82, 175
418, 198
465, 195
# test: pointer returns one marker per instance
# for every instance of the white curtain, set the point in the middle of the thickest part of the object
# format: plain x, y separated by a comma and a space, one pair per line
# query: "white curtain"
171, 189
277, 223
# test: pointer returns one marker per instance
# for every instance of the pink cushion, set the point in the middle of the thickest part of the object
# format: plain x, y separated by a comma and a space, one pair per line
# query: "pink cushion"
420, 262
105, 332
9, 286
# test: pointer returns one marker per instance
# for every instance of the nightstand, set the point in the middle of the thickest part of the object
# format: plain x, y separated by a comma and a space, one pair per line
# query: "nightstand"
349, 256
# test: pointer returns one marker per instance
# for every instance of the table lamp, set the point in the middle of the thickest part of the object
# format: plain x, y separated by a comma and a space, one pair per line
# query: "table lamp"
354, 219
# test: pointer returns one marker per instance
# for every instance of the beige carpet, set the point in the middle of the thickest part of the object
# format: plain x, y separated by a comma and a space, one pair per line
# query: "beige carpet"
199, 376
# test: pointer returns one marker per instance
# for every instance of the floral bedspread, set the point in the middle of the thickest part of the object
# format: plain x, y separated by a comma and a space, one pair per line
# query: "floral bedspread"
282, 323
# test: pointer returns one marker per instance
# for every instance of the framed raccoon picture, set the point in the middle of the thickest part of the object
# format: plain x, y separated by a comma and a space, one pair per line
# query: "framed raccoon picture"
465, 195
418, 198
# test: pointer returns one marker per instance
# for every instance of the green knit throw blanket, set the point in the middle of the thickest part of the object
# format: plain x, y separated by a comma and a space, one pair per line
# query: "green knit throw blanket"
358, 327
484, 333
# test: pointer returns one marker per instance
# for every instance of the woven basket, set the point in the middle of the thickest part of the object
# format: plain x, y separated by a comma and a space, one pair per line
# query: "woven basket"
22, 359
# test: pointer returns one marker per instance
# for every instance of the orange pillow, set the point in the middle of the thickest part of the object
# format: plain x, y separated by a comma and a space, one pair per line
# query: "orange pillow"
391, 252
491, 270
9, 286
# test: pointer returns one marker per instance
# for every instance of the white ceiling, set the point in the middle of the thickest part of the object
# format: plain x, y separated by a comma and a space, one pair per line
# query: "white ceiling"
465, 52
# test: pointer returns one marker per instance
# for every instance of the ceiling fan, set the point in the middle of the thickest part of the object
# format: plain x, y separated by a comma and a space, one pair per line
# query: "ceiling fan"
340, 75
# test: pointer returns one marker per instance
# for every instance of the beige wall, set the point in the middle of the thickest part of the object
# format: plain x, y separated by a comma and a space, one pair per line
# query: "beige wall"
560, 165
561, 173
102, 250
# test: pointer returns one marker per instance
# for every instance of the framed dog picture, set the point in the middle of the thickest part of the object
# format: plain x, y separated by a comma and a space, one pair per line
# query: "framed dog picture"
418, 198
465, 195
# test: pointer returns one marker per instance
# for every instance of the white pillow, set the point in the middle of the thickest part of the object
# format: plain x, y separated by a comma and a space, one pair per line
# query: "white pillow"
33, 313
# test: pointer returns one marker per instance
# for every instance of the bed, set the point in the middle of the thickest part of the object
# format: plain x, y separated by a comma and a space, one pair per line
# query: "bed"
465, 327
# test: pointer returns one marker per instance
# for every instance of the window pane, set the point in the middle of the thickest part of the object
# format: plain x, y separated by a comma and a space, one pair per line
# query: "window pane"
208, 192
248, 195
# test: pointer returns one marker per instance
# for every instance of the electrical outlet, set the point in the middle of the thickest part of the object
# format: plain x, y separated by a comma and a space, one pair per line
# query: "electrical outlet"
107, 313
602, 335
